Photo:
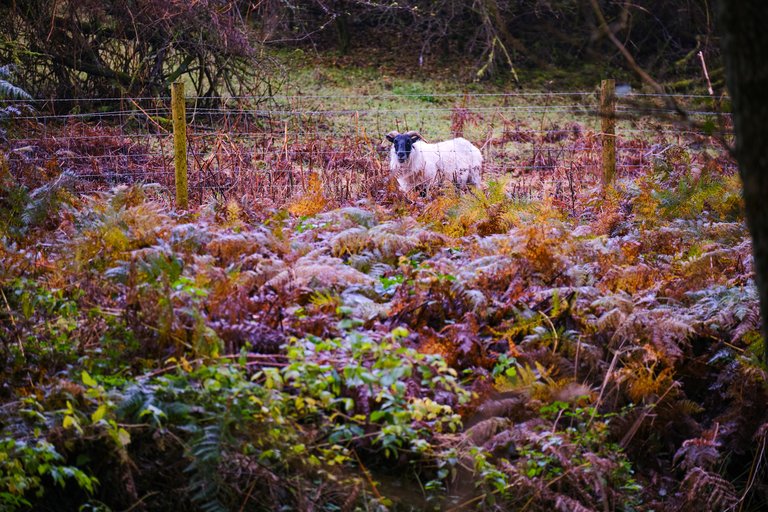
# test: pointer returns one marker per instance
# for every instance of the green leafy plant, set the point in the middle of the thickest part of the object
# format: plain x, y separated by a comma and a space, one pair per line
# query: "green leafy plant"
371, 389
44, 325
24, 466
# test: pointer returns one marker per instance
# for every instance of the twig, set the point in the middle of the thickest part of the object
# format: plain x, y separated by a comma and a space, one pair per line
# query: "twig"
554, 331
248, 495
605, 384
639, 421
146, 114
753, 470
140, 503
670, 101
706, 74
13, 321
576, 360
461, 506
254, 361
53, 21
367, 476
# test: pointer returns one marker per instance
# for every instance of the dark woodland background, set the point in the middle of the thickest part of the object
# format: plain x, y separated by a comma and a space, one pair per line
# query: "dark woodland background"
107, 48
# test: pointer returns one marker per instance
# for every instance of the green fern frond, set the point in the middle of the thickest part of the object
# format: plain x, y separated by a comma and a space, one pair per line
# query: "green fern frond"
205, 481
693, 194
536, 382
113, 222
134, 400
7, 89
47, 200
325, 299
685, 407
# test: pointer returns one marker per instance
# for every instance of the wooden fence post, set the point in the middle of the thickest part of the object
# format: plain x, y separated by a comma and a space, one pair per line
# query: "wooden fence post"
608, 129
178, 110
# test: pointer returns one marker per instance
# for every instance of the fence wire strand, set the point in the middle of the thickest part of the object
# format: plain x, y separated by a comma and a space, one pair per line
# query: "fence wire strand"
268, 150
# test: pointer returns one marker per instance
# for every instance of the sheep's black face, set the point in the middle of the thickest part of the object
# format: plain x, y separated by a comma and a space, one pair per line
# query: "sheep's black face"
402, 145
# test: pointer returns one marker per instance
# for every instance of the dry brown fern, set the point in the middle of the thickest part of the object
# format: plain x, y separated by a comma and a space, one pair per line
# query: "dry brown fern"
750, 322
351, 241
646, 383
232, 247
715, 265
666, 330
567, 504
708, 492
482, 431
701, 452
319, 272
512, 405
256, 336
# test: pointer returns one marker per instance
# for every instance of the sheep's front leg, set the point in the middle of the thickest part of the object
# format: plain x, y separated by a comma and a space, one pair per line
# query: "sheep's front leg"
404, 183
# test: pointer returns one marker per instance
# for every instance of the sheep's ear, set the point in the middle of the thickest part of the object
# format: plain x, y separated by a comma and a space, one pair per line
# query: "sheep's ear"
414, 135
391, 135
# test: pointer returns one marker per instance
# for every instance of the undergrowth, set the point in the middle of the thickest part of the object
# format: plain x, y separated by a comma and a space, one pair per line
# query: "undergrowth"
481, 351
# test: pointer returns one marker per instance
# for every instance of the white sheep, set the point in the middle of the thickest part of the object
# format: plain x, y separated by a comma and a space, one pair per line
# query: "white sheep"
415, 163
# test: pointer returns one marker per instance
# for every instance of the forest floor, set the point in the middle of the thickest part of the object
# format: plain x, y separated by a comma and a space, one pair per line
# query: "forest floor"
596, 350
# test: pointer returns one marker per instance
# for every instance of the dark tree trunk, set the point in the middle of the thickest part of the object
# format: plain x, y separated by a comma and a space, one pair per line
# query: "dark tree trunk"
745, 45
343, 34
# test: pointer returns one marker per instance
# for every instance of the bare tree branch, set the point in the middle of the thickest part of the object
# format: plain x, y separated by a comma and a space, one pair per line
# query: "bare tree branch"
668, 99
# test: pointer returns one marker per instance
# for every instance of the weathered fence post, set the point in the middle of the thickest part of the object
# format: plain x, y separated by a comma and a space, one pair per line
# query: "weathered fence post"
179, 115
608, 129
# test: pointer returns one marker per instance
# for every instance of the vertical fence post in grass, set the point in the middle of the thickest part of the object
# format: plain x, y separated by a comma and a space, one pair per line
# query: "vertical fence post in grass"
608, 130
178, 112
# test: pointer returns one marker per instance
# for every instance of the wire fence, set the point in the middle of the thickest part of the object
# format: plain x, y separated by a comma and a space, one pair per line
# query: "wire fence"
267, 151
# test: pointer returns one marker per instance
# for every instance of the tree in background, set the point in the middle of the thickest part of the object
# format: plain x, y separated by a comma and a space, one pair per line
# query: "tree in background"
97, 48
498, 35
69, 48
745, 45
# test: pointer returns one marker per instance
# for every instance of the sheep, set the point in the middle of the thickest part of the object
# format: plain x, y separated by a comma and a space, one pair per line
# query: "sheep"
417, 163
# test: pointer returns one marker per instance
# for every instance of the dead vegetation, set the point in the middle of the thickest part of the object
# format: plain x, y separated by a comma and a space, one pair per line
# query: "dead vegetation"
532, 345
